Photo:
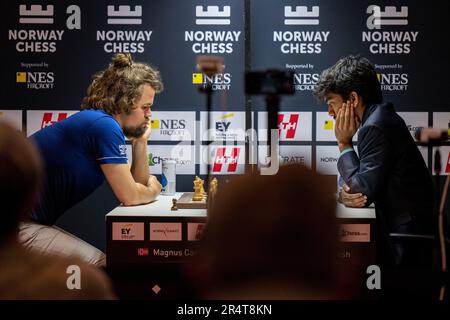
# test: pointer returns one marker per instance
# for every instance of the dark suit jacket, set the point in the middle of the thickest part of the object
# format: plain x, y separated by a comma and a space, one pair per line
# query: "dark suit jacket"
390, 171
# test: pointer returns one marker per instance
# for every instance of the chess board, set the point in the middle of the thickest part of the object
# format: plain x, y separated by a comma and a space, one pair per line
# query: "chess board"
185, 202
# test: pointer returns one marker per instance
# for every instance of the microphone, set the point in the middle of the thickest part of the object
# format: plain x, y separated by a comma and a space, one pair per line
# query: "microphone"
431, 136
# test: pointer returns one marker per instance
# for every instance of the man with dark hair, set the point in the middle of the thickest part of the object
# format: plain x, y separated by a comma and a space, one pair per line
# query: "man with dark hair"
84, 149
388, 169
26, 274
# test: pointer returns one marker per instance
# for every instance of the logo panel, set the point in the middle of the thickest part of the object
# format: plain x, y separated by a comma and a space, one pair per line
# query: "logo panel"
128, 231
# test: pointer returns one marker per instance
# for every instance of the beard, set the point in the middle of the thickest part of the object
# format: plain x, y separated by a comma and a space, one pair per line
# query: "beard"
135, 132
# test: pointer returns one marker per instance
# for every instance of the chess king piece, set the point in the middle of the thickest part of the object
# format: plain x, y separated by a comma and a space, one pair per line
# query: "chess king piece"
199, 191
174, 205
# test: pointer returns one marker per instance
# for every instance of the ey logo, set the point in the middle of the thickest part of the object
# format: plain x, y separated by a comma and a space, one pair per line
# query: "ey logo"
223, 126
288, 128
230, 160
389, 17
48, 120
297, 16
21, 77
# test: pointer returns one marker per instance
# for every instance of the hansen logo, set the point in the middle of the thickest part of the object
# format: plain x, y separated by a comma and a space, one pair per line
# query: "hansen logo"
42, 40
388, 42
207, 42
36, 80
305, 81
287, 128
50, 118
126, 41
393, 81
301, 42
228, 161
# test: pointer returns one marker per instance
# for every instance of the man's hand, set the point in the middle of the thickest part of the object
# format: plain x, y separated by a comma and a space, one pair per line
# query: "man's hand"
346, 126
154, 184
353, 200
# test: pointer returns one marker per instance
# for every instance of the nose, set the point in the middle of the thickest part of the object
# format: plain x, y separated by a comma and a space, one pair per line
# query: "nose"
330, 111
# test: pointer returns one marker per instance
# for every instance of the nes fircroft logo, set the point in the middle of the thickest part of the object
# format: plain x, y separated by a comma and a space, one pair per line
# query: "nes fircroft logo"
301, 41
218, 82
124, 15
287, 127
212, 41
126, 41
297, 16
388, 42
50, 118
226, 160
305, 81
36, 80
393, 81
212, 15
42, 40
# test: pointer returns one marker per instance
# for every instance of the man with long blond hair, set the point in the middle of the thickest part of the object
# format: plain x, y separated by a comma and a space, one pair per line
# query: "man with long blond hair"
84, 149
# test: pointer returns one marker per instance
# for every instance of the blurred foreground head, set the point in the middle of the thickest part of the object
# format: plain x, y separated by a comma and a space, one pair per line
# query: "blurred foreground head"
270, 237
19, 179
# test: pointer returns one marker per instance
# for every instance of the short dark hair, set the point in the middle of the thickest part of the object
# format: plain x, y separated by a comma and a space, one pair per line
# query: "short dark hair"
20, 176
352, 73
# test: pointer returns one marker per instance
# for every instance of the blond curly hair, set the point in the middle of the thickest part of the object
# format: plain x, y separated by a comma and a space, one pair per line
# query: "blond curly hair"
117, 88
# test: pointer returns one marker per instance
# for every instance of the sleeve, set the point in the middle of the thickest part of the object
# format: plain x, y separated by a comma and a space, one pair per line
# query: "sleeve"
367, 173
107, 142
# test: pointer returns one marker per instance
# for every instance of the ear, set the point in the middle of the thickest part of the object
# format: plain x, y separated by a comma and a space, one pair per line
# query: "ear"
355, 98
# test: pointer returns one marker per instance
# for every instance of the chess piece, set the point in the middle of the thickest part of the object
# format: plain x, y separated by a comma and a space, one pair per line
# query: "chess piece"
213, 186
174, 205
198, 189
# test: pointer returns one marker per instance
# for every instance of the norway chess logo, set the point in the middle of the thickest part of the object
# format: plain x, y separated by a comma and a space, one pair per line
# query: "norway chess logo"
36, 14
301, 16
288, 128
230, 161
124, 15
389, 17
212, 15
48, 118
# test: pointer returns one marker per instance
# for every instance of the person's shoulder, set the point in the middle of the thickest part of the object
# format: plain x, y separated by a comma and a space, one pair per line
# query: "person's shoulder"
59, 277
83, 280
36, 276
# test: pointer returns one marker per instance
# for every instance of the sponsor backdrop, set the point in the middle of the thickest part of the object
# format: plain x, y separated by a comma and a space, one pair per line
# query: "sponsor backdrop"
50, 50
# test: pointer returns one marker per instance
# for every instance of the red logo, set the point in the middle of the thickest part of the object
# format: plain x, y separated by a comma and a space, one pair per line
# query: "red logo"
447, 169
142, 252
289, 127
47, 119
230, 160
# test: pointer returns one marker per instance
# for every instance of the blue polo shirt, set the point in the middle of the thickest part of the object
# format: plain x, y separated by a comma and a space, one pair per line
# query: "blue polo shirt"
72, 151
